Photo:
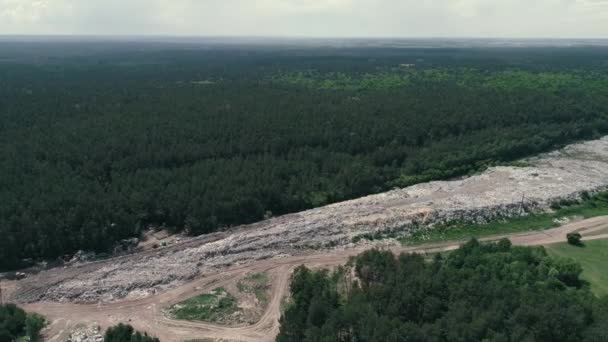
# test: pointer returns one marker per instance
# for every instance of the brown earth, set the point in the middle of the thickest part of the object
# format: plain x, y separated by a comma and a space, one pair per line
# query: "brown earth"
146, 314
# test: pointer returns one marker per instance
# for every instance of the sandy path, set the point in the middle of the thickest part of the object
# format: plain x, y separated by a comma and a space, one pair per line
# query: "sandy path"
146, 314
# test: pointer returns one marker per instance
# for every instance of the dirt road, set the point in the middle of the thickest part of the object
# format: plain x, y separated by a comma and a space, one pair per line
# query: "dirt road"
147, 314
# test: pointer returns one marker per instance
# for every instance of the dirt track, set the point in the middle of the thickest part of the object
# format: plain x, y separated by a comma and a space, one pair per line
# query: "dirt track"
146, 314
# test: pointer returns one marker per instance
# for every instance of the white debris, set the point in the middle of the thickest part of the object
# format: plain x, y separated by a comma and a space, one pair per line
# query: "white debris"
86, 334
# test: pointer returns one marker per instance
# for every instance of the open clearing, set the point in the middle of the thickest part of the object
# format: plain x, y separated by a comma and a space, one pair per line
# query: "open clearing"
212, 306
593, 256
240, 303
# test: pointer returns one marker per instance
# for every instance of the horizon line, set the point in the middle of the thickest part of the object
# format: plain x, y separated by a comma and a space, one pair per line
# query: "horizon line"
354, 37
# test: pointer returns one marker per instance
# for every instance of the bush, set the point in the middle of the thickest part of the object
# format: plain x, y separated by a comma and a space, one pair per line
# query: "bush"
12, 322
574, 239
33, 325
126, 333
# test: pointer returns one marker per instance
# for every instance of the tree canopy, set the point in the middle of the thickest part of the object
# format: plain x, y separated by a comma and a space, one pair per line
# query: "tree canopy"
16, 323
480, 292
97, 147
125, 333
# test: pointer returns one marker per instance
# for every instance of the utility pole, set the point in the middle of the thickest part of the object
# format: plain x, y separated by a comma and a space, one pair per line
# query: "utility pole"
521, 205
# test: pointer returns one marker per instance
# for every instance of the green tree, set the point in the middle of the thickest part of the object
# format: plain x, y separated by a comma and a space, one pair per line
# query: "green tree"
126, 333
480, 292
12, 321
574, 239
34, 323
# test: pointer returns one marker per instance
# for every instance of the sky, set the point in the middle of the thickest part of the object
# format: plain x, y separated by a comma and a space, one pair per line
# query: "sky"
309, 18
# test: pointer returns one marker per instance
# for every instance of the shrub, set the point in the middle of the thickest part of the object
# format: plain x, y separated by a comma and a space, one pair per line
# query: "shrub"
126, 333
12, 322
574, 239
33, 325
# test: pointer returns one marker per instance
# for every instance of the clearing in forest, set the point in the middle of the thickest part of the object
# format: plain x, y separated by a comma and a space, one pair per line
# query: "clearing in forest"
234, 304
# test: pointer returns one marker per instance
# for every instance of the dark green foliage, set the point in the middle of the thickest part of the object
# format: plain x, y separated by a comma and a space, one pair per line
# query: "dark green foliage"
574, 239
15, 323
33, 325
12, 322
126, 333
98, 146
598, 330
492, 292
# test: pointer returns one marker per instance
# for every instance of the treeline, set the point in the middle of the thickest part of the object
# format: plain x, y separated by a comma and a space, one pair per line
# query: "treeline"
97, 148
489, 292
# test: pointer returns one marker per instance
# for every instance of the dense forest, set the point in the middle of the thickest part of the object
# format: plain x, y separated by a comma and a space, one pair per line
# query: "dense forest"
101, 141
492, 292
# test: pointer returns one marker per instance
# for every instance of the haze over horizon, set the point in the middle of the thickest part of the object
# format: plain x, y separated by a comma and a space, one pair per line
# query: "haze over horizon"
308, 18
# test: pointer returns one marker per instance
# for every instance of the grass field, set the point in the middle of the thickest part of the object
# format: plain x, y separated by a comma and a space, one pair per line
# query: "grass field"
596, 205
465, 231
210, 307
593, 257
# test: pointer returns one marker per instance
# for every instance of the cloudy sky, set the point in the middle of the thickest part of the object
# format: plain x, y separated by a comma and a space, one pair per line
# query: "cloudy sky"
309, 18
